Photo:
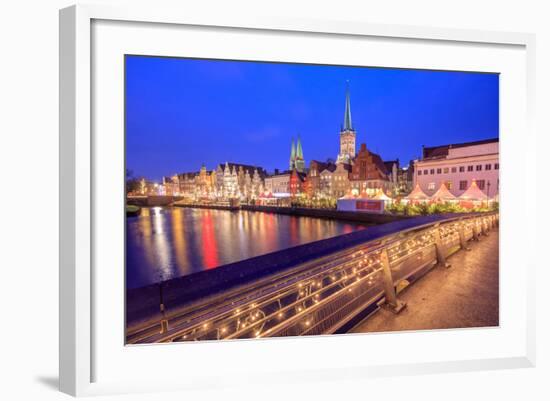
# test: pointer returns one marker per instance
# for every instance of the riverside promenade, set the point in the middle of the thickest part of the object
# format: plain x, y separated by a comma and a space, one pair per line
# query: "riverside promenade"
464, 295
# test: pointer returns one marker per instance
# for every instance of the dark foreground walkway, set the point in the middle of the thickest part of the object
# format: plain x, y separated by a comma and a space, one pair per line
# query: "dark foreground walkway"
465, 295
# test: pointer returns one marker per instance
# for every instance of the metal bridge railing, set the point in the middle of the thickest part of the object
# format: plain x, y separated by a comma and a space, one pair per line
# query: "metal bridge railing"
320, 300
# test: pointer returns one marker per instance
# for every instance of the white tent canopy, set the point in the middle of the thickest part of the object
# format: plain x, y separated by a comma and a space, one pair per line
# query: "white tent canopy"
473, 193
417, 194
380, 195
443, 194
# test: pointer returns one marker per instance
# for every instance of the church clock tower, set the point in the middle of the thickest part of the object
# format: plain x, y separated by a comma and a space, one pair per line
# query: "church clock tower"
347, 135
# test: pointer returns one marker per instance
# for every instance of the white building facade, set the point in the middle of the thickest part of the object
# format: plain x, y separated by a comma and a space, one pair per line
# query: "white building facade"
278, 184
457, 165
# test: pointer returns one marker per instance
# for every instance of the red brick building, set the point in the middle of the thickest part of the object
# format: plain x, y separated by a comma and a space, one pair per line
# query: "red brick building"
368, 173
297, 184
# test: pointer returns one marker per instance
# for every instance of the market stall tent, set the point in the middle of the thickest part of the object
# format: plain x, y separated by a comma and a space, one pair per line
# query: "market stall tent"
380, 195
443, 195
417, 195
473, 193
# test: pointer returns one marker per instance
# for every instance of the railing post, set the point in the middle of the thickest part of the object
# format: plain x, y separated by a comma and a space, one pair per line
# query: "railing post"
163, 321
475, 232
462, 236
484, 226
392, 303
439, 249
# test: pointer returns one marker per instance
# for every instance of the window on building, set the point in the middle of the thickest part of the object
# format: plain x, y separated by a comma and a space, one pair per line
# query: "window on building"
446, 170
463, 185
438, 171
496, 166
461, 169
470, 168
453, 169
479, 167
431, 186
487, 167
449, 185
481, 184
419, 172
432, 171
425, 172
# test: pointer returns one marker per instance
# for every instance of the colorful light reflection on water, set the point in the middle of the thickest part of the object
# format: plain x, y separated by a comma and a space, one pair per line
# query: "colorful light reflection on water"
164, 243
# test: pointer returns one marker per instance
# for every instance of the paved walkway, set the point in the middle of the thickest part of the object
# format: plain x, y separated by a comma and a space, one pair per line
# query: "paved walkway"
465, 295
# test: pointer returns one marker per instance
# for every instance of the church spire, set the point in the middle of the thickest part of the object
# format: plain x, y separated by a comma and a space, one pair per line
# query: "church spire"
299, 164
299, 152
347, 114
292, 155
347, 134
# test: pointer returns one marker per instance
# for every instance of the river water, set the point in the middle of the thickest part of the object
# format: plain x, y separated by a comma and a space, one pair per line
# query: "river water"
164, 243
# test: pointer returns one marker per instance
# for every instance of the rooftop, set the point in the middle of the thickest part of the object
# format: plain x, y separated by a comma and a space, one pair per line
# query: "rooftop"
441, 151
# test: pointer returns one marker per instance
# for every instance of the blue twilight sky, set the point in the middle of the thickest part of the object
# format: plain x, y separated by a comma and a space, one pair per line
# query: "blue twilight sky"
181, 113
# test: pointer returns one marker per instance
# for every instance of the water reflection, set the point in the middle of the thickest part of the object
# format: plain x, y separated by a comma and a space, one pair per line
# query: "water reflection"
164, 243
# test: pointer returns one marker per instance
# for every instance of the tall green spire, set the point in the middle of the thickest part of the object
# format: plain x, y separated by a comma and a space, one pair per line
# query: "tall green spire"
299, 153
292, 155
299, 164
347, 114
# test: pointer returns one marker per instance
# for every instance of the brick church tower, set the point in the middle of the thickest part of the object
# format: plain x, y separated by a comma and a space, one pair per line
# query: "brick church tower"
347, 135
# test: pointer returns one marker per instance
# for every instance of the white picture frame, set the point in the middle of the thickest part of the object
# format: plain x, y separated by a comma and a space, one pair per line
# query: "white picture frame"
78, 317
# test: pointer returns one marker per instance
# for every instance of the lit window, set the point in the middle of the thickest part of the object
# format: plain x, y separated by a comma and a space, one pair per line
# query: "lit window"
431, 186
449, 185
446, 170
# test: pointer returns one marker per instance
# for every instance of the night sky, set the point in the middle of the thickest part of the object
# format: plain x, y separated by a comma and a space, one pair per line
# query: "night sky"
181, 113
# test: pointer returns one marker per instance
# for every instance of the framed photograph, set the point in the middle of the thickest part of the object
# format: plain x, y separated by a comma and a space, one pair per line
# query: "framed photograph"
264, 197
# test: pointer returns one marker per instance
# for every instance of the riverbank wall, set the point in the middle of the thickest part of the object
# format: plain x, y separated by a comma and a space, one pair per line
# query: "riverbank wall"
153, 200
215, 207
361, 217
